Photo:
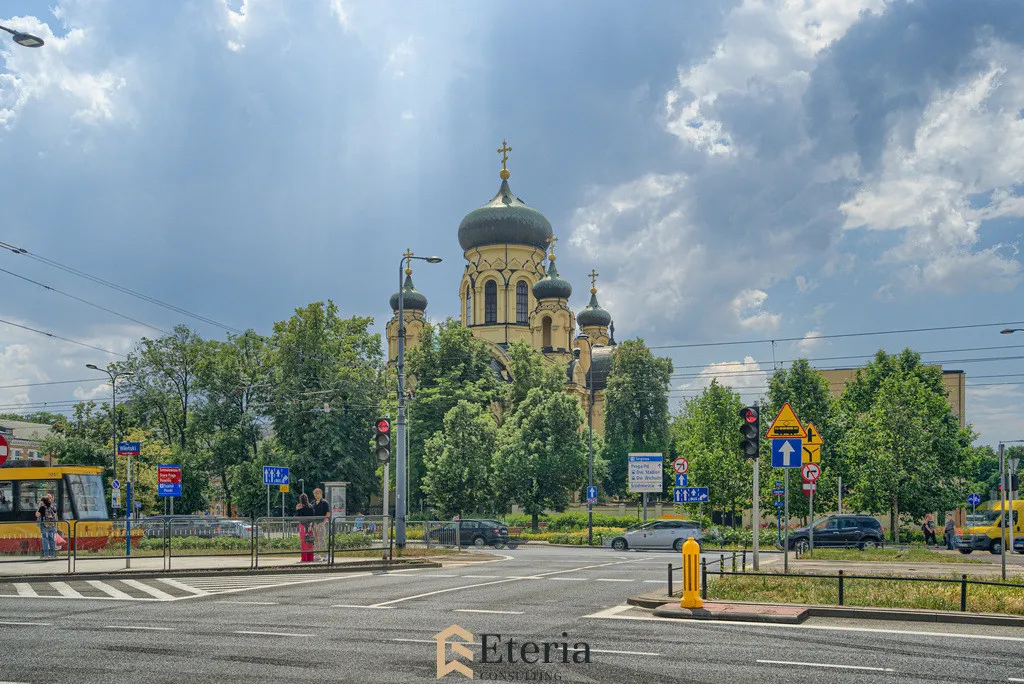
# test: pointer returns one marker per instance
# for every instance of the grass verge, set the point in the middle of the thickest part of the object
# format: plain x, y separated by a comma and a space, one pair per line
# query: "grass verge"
871, 593
909, 555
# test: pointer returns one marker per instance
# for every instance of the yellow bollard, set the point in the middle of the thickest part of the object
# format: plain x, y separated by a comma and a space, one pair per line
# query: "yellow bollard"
691, 575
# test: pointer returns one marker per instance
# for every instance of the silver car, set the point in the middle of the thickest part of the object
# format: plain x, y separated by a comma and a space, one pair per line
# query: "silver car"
660, 534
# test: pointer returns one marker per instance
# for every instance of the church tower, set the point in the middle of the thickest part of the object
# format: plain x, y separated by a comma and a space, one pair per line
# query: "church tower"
594, 320
552, 321
504, 243
414, 303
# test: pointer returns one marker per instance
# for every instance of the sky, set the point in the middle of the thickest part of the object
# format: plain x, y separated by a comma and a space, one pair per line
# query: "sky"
737, 172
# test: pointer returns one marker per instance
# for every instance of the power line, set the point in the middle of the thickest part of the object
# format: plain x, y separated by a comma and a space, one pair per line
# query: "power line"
65, 339
55, 382
838, 335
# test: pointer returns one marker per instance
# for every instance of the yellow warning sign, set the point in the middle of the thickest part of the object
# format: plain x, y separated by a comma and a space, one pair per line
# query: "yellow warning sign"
813, 436
284, 488
812, 452
786, 424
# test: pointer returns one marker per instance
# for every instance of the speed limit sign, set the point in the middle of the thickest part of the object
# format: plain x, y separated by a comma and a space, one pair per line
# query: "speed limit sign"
680, 465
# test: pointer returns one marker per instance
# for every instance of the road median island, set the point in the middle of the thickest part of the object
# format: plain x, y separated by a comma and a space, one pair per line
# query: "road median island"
891, 555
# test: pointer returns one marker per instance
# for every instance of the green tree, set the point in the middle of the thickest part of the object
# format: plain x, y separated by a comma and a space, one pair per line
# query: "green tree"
808, 393
448, 365
706, 433
458, 461
541, 458
321, 358
247, 478
636, 408
983, 471
529, 369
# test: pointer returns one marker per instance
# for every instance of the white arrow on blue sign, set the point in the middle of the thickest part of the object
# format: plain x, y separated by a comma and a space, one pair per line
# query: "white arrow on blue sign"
591, 494
682, 480
690, 495
787, 453
275, 475
974, 499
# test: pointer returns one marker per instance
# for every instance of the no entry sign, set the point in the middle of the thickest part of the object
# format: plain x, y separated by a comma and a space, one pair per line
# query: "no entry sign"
3, 450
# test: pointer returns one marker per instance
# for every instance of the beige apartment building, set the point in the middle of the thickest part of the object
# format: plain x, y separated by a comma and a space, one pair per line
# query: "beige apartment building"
955, 382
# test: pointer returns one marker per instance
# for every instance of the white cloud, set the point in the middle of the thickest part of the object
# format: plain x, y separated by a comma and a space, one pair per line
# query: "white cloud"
994, 411
805, 285
339, 12
400, 58
811, 342
749, 309
746, 377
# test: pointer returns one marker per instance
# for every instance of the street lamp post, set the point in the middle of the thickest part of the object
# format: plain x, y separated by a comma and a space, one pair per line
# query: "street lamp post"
583, 337
24, 39
400, 498
114, 375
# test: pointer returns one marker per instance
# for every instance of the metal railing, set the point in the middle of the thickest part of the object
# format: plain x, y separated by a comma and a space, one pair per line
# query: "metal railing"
741, 555
27, 541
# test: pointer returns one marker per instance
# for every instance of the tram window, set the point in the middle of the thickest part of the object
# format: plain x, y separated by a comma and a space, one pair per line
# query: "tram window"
87, 496
6, 497
30, 496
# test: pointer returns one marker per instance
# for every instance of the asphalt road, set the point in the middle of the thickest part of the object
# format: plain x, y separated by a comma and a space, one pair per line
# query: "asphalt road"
367, 627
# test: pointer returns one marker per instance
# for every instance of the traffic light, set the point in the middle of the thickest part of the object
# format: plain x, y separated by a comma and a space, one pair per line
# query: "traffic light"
751, 431
382, 440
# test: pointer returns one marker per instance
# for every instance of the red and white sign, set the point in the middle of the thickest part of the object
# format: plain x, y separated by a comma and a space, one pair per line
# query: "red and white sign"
809, 487
810, 471
680, 465
3, 450
168, 474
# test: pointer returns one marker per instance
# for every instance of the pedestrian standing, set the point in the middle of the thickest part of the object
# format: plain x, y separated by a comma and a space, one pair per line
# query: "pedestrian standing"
928, 528
950, 531
322, 511
47, 516
306, 536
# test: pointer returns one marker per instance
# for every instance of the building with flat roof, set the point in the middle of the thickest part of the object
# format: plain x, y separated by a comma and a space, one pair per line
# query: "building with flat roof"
955, 382
25, 440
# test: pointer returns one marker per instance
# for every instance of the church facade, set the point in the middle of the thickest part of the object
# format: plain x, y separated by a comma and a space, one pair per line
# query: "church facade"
511, 291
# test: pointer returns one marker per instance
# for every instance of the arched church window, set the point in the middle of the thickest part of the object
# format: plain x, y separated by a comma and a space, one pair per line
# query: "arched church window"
545, 334
469, 305
490, 302
522, 301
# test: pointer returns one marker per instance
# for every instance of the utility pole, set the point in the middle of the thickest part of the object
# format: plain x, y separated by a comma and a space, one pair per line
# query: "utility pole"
1002, 536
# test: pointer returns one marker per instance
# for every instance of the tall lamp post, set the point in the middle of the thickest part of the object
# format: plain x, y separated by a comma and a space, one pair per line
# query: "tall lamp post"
1006, 485
583, 337
114, 375
400, 498
24, 39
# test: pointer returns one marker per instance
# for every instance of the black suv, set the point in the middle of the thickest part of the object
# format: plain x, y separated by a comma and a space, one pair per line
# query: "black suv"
843, 531
469, 532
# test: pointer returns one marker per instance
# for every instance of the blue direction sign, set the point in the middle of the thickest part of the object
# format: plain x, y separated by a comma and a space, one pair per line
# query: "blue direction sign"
778, 491
275, 475
129, 448
691, 495
682, 480
787, 453
592, 494
780, 504
974, 499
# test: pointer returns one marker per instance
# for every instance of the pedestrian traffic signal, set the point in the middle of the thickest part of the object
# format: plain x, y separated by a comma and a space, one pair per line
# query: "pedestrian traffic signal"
751, 431
382, 440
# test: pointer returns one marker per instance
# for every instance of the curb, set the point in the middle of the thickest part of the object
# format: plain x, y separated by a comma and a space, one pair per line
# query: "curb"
216, 572
655, 602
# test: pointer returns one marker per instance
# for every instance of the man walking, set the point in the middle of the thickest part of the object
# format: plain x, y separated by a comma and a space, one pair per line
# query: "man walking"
950, 530
322, 513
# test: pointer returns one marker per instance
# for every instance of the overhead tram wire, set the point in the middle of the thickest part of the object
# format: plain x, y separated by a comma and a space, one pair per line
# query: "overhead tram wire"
65, 339
85, 301
53, 382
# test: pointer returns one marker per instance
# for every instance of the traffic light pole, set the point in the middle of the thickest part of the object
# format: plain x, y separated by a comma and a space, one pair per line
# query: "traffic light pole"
757, 513
400, 424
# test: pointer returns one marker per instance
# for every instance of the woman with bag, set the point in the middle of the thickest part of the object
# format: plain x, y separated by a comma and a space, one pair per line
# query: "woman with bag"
306, 539
47, 516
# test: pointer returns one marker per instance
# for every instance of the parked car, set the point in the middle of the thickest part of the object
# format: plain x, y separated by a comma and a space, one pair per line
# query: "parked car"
842, 531
987, 530
659, 534
478, 533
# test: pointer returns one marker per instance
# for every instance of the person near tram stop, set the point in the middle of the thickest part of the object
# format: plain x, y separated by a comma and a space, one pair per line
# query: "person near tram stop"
322, 511
928, 528
306, 536
47, 516
950, 531
359, 522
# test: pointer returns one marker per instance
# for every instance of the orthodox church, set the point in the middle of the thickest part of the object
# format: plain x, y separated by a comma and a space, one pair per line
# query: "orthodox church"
507, 293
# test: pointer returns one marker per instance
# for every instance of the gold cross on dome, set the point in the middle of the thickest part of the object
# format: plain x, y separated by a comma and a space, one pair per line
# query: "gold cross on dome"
551, 240
593, 277
503, 151
408, 253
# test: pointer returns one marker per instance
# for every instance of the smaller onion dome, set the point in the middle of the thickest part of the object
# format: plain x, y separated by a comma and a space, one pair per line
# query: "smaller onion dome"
552, 286
593, 315
412, 299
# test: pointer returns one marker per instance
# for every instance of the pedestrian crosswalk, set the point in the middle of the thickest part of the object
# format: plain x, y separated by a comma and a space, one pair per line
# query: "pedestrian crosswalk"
153, 589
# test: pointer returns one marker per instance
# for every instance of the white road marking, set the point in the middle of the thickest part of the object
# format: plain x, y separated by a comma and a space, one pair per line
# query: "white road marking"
610, 579
140, 627
64, 589
182, 586
476, 643
350, 605
500, 581
491, 612
481, 576
249, 603
27, 624
639, 653
568, 579
145, 588
613, 613
1011, 679
25, 589
282, 634
112, 592
827, 665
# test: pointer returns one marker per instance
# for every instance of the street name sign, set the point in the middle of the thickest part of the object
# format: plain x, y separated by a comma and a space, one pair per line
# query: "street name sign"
129, 448
786, 453
690, 495
786, 424
680, 466
778, 491
682, 480
168, 480
275, 475
645, 473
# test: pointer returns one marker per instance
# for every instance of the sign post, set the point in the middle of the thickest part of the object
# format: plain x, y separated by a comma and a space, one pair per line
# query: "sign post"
787, 435
128, 449
646, 474
811, 471
168, 482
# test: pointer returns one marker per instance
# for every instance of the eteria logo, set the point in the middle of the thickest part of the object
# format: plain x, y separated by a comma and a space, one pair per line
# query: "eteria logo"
444, 667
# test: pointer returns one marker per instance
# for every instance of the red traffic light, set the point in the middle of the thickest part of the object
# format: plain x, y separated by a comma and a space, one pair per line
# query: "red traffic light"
749, 414
383, 425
